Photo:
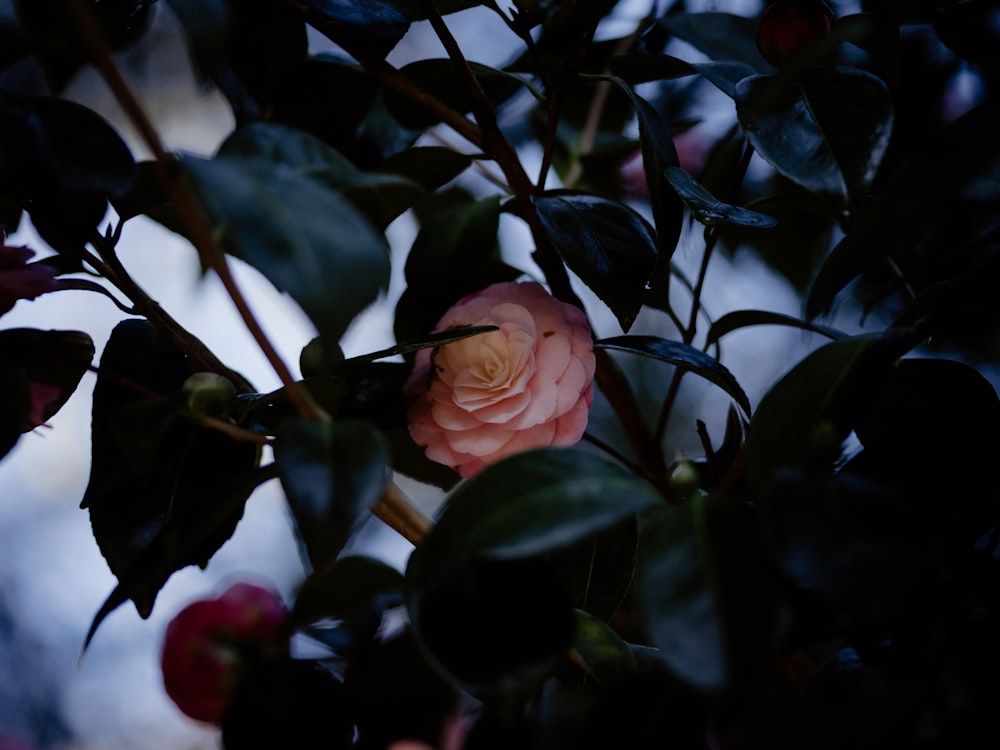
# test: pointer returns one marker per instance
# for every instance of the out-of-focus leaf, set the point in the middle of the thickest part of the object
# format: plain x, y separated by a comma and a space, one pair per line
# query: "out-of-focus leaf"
684, 356
348, 586
607, 244
15, 405
600, 650
645, 67
163, 493
298, 232
431, 166
828, 133
920, 194
803, 419
971, 30
332, 472
744, 318
721, 36
710, 210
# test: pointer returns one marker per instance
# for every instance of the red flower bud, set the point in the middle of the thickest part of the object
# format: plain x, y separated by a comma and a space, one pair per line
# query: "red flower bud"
788, 27
210, 644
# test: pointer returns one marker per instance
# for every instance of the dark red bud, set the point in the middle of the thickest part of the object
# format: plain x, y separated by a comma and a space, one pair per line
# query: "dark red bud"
789, 27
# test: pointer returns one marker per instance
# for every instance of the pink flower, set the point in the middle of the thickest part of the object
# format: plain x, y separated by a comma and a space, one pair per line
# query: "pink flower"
209, 644
21, 281
527, 385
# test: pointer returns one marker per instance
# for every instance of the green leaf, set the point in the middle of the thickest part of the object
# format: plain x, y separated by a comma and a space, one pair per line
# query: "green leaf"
601, 652
376, 25
804, 417
828, 133
940, 169
683, 356
704, 593
638, 68
607, 244
304, 237
332, 472
455, 254
57, 359
710, 210
969, 29
347, 587
163, 493
658, 157
430, 166
745, 318
530, 504
439, 77
722, 36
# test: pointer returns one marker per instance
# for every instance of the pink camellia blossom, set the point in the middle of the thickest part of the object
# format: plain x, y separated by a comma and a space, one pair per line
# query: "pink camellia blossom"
18, 280
210, 643
527, 385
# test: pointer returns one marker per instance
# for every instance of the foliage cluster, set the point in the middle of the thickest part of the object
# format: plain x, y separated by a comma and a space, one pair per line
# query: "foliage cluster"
822, 575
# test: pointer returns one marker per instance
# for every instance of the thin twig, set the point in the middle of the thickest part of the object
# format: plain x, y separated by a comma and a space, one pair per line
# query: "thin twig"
396, 510
169, 173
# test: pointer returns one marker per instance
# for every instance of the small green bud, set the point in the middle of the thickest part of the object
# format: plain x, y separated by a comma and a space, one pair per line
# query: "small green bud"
209, 394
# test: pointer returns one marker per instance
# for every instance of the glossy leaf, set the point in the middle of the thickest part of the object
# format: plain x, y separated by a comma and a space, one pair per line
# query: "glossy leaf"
738, 319
828, 133
377, 25
530, 504
607, 244
803, 418
163, 493
299, 233
658, 157
332, 472
708, 209
683, 356
430, 166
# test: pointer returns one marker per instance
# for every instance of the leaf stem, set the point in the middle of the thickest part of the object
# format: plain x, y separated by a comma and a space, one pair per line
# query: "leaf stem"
168, 169
396, 510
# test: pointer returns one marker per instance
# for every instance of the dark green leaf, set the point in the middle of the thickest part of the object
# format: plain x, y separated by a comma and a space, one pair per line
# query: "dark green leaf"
941, 168
415, 12
440, 78
431, 166
645, 67
455, 254
381, 196
607, 244
530, 504
349, 586
376, 25
971, 30
744, 318
828, 133
171, 501
332, 472
600, 650
684, 356
658, 157
703, 591
710, 210
724, 75
803, 419
299, 233
722, 36
57, 359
